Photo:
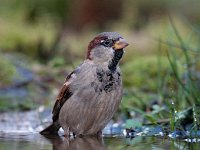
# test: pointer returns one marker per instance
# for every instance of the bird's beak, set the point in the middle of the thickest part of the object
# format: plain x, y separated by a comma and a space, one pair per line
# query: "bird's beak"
120, 44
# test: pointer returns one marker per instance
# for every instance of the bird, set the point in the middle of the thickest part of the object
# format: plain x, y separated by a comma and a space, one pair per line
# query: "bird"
92, 93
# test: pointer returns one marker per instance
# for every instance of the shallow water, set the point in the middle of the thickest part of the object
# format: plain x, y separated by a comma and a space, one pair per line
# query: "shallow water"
37, 141
20, 131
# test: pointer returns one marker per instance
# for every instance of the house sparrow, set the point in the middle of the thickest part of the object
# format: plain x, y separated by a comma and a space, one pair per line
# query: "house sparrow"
91, 93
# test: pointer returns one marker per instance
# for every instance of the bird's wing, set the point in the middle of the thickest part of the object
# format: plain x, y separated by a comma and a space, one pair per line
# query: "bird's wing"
64, 95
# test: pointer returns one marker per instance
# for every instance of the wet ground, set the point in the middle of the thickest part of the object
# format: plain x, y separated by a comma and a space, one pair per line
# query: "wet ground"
20, 131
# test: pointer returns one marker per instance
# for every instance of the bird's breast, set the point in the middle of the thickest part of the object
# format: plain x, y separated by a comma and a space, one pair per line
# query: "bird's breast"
106, 81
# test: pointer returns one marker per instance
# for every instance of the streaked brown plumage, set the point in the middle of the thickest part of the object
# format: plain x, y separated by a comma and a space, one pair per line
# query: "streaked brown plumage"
91, 94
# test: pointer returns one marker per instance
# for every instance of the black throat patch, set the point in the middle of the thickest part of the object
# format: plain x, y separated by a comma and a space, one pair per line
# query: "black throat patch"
115, 60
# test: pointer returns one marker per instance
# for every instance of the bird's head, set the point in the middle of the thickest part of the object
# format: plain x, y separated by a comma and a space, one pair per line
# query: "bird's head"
104, 46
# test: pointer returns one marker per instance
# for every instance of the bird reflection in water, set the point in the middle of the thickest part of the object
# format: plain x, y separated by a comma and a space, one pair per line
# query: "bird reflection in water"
83, 143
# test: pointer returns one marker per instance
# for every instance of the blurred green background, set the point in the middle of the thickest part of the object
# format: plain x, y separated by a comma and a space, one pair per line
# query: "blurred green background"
41, 41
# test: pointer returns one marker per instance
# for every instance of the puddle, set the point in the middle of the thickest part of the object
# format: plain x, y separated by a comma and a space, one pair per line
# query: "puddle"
36, 141
20, 131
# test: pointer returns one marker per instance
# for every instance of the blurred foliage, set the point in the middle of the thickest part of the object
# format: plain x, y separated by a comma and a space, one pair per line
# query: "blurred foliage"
39, 28
135, 100
8, 71
8, 104
130, 123
188, 88
143, 73
34, 11
19, 37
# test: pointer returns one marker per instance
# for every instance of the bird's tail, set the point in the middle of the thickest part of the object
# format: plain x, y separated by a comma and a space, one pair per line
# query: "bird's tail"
51, 129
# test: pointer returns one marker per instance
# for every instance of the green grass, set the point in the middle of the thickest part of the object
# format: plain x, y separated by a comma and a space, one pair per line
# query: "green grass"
186, 93
172, 77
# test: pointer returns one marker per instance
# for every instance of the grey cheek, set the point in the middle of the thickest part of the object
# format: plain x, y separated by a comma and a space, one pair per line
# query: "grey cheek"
97, 53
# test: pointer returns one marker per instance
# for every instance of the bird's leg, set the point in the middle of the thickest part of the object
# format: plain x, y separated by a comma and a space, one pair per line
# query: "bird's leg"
66, 136
66, 132
99, 134
66, 142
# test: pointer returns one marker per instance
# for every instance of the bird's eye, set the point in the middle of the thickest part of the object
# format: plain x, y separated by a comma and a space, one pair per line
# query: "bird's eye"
107, 43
